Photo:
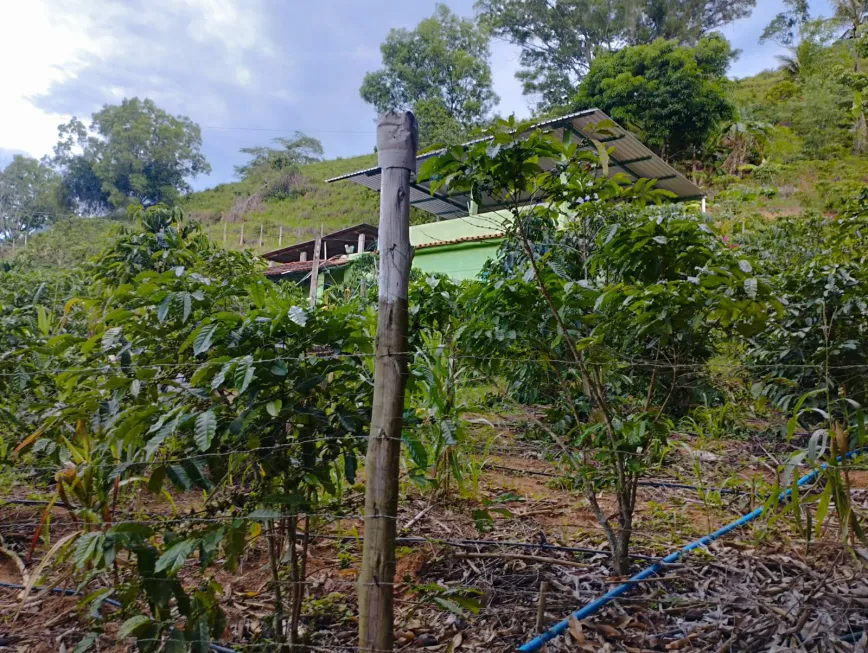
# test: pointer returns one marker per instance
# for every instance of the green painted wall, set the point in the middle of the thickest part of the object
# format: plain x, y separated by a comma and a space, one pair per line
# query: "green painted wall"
464, 261
476, 225
460, 260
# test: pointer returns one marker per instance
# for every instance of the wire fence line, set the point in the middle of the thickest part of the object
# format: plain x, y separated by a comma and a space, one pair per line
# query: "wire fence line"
539, 448
330, 355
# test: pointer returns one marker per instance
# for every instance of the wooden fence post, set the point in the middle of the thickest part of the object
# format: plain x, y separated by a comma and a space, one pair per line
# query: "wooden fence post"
261, 226
314, 272
241, 238
397, 140
225, 225
280, 237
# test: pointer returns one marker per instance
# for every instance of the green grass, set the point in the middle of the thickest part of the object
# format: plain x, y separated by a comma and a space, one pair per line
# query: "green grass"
324, 206
69, 242
790, 188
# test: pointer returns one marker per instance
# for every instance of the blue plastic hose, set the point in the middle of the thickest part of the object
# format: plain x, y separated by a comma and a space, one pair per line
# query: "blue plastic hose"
538, 642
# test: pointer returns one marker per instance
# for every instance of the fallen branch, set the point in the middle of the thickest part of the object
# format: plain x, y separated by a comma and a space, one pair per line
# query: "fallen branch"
415, 519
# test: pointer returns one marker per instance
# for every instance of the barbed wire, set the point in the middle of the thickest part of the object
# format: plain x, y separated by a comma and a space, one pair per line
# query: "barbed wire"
314, 356
539, 448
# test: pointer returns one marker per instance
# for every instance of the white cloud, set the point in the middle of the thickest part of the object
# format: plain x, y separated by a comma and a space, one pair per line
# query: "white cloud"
51, 44
504, 64
37, 48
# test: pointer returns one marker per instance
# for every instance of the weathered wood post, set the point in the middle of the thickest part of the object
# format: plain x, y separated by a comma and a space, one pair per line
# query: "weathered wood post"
397, 139
361, 247
314, 273
261, 227
225, 225
241, 237
280, 237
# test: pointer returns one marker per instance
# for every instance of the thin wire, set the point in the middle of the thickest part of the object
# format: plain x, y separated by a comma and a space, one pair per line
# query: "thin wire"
315, 356
370, 132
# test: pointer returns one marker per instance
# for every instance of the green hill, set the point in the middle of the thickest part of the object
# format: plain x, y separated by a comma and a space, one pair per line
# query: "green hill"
806, 164
314, 205
299, 211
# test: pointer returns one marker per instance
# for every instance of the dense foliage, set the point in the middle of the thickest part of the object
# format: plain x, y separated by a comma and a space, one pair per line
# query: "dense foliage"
134, 152
559, 41
614, 302
31, 196
675, 96
440, 70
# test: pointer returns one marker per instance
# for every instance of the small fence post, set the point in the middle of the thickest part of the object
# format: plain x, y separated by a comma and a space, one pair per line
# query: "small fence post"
225, 232
261, 227
241, 238
280, 237
314, 273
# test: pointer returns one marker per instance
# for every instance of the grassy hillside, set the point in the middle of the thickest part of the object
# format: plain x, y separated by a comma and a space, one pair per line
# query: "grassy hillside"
225, 208
69, 242
807, 165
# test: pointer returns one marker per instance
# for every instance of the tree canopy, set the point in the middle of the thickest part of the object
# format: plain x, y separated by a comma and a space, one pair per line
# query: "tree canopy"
674, 95
440, 70
559, 40
135, 151
293, 152
30, 197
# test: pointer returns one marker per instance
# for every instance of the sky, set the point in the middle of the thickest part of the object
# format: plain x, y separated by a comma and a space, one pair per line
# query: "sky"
246, 71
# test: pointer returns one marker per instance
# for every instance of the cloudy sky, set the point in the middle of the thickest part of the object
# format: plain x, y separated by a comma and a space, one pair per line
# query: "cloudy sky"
245, 70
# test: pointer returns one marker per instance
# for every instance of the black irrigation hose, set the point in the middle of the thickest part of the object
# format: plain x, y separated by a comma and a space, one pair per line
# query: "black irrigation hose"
679, 486
57, 590
31, 502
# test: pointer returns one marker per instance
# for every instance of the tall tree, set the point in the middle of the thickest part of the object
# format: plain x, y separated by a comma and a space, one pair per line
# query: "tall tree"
30, 197
787, 25
293, 152
440, 70
137, 151
796, 29
675, 95
560, 38
852, 14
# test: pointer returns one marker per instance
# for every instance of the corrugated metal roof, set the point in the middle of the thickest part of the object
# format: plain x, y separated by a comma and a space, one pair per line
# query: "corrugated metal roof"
465, 239
303, 266
630, 156
338, 239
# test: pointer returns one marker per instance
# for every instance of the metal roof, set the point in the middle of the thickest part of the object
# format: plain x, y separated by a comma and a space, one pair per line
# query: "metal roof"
465, 239
630, 156
300, 267
335, 241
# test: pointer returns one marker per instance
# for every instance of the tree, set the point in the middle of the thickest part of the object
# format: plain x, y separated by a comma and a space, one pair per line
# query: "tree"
439, 70
30, 197
743, 142
560, 39
138, 152
852, 14
294, 152
675, 95
583, 287
784, 27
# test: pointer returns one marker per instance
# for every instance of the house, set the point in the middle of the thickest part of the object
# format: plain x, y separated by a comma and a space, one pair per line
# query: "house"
295, 263
458, 248
457, 243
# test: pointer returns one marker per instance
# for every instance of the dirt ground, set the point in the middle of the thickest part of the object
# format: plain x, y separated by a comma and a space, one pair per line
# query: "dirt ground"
762, 588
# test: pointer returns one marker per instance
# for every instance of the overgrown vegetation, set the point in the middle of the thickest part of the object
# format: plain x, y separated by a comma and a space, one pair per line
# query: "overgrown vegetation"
169, 370
187, 423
